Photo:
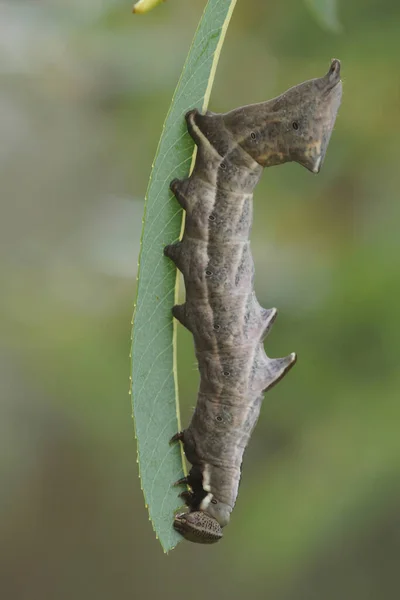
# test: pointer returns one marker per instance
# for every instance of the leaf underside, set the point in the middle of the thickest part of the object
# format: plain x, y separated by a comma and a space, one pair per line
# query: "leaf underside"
154, 388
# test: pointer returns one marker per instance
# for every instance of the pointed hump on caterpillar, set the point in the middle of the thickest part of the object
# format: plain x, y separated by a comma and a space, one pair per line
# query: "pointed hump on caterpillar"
295, 126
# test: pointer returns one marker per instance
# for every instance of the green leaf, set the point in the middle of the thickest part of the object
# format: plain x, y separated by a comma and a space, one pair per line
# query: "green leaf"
325, 12
154, 387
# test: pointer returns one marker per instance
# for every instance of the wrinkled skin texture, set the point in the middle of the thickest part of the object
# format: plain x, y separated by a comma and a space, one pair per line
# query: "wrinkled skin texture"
221, 310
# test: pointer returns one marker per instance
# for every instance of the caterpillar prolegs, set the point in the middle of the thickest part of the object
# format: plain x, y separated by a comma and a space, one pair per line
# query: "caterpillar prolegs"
221, 309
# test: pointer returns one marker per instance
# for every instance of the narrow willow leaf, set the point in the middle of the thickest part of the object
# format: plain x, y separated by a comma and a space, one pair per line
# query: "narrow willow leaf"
154, 389
325, 12
144, 6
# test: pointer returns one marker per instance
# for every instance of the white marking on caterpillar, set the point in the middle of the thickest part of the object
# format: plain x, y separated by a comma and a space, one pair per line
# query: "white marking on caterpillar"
206, 478
206, 501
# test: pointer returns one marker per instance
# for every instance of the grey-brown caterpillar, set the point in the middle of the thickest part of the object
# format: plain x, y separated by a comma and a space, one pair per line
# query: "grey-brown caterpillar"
221, 310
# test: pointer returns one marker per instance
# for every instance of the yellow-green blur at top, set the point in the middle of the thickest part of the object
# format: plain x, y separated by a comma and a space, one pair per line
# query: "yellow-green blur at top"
144, 6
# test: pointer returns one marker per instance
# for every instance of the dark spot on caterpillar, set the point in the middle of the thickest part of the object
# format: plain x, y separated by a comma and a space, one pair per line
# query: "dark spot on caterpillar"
227, 303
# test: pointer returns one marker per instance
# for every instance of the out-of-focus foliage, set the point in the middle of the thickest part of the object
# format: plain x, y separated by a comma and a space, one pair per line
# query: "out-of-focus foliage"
325, 12
82, 106
154, 393
144, 6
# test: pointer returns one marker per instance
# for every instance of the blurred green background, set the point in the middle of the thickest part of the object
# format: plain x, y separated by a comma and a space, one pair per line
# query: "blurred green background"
85, 87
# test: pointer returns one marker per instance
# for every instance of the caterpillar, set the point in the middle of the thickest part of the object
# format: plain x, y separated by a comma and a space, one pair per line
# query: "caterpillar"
221, 310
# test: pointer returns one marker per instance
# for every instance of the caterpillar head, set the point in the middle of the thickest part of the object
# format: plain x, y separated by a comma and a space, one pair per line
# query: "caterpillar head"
198, 527
295, 126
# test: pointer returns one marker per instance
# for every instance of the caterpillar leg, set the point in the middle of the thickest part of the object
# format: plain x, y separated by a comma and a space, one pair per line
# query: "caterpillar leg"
179, 312
177, 186
182, 481
193, 128
192, 499
173, 251
178, 437
194, 479
187, 497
